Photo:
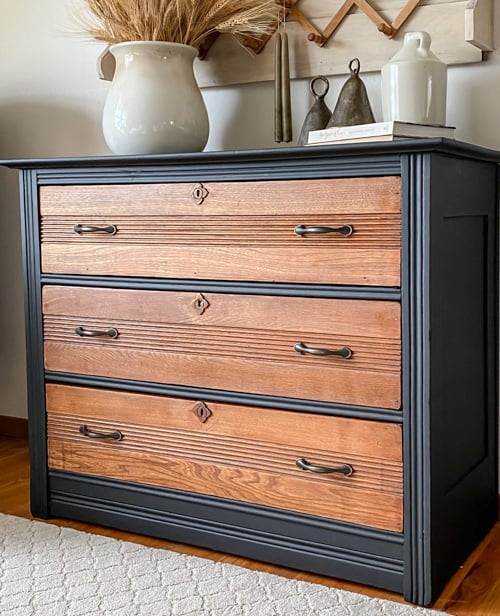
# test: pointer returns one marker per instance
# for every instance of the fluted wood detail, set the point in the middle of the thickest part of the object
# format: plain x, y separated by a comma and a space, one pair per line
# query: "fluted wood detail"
367, 354
370, 230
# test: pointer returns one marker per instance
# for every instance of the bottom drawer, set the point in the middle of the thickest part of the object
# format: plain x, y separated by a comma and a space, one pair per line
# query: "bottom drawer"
262, 456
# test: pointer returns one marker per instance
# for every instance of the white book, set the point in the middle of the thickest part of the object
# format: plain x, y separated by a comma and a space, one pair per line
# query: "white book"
358, 140
379, 129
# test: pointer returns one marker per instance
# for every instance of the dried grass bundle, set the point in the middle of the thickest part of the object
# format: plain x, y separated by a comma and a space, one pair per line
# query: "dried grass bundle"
176, 21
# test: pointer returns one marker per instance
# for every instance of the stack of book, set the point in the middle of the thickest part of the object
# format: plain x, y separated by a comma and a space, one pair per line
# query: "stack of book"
378, 131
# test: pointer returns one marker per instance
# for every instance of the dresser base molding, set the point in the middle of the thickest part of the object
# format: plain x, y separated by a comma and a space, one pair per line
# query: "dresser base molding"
363, 555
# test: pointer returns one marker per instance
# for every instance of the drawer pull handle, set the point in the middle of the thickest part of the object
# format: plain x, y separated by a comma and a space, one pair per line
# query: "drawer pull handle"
343, 230
114, 436
96, 333
344, 352
344, 469
111, 229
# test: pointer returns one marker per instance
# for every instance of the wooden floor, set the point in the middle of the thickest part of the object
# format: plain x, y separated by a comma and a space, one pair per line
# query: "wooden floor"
474, 591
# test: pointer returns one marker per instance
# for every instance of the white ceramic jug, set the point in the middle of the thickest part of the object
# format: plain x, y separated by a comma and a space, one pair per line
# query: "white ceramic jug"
154, 104
414, 83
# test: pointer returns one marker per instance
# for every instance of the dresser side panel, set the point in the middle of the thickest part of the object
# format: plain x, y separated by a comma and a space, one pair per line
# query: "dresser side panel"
463, 366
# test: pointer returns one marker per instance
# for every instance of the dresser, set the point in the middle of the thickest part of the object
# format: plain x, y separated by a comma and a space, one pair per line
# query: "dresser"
289, 355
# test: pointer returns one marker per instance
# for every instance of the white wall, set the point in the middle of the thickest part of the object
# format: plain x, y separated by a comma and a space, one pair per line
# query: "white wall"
51, 102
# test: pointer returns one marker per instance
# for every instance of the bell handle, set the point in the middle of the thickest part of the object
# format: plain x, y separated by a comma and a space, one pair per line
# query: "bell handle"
312, 85
357, 65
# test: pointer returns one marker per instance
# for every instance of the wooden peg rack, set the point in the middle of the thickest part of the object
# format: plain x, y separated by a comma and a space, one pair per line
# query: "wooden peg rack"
321, 37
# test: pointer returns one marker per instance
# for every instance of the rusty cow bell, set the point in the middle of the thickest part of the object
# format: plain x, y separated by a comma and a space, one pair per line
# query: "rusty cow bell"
320, 113
353, 106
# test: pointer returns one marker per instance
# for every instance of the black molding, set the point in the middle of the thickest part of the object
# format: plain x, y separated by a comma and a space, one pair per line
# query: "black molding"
34, 346
265, 162
415, 332
225, 286
286, 538
225, 171
216, 166
228, 397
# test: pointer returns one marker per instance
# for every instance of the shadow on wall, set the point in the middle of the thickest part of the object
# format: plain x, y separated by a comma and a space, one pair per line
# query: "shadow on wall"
44, 130
242, 117
28, 130
12, 343
473, 102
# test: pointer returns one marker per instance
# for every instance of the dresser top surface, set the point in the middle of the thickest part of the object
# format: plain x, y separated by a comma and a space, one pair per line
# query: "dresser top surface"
294, 155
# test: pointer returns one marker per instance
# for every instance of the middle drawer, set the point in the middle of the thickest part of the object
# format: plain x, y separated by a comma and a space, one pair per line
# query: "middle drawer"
336, 350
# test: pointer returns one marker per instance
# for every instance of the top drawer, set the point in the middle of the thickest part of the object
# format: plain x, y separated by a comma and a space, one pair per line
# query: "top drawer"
293, 231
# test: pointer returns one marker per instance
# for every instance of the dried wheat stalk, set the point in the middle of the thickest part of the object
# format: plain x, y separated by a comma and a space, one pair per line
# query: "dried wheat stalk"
176, 21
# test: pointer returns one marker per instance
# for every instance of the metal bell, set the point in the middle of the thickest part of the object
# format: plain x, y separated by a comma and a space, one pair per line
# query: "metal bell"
319, 114
353, 106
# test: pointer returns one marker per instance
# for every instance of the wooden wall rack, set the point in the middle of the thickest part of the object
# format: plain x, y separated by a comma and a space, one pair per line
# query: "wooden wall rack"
321, 37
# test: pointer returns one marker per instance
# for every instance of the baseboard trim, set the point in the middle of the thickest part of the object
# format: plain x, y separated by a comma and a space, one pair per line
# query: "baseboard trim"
13, 426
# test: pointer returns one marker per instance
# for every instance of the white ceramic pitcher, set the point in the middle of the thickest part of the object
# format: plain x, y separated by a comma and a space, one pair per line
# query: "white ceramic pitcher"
154, 104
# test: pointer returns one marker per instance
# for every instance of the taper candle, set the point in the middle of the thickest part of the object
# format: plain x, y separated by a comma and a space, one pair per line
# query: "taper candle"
278, 110
285, 95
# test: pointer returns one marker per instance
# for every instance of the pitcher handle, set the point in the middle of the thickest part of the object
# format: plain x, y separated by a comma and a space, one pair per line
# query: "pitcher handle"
106, 65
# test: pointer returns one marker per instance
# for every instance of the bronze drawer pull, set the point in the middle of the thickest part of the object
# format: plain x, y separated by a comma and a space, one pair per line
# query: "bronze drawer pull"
96, 333
344, 352
345, 469
343, 230
115, 436
111, 229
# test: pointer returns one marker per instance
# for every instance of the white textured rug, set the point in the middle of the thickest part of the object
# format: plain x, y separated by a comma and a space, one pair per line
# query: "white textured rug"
47, 570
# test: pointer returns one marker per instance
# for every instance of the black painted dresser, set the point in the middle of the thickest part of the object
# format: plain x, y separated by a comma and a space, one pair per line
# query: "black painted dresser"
286, 354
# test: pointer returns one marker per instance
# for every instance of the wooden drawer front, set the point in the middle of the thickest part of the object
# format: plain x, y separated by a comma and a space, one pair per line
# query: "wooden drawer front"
232, 342
231, 231
242, 453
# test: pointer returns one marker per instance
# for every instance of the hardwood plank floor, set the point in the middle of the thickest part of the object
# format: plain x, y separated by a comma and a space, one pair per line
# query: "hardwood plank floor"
473, 591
